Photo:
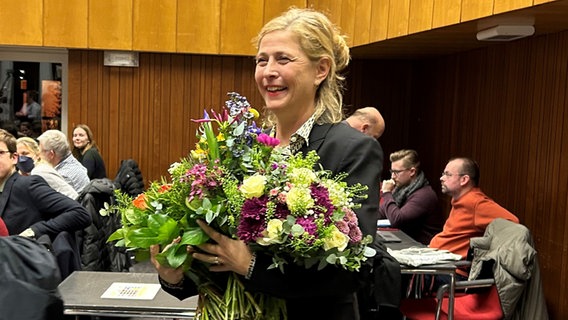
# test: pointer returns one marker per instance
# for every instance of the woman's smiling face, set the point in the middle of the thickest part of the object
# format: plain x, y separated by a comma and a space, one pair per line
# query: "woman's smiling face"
286, 78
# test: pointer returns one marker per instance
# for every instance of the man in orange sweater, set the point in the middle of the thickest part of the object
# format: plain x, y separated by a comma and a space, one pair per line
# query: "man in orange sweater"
472, 210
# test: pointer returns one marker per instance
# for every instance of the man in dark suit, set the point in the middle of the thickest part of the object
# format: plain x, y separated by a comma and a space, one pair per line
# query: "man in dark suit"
28, 205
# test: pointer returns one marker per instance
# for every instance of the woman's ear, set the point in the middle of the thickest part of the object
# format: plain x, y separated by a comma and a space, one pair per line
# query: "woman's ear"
322, 70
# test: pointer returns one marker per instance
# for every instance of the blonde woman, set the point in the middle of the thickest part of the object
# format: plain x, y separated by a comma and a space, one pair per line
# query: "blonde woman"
29, 148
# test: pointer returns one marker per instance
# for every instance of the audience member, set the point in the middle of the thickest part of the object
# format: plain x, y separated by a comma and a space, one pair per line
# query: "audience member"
472, 210
54, 149
31, 110
29, 162
86, 151
28, 205
298, 64
408, 200
368, 120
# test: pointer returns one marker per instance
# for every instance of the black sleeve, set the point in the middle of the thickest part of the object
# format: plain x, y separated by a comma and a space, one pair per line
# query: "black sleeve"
59, 212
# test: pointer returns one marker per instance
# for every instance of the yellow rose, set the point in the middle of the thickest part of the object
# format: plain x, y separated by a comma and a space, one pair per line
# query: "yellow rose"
337, 239
272, 233
253, 186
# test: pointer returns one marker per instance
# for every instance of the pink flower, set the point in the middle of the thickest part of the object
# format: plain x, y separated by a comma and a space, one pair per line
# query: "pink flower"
267, 140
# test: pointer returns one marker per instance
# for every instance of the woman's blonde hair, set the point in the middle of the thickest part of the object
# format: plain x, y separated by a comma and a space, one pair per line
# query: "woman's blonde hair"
31, 144
318, 38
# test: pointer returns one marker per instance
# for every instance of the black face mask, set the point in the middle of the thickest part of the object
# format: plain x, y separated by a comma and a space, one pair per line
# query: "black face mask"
25, 164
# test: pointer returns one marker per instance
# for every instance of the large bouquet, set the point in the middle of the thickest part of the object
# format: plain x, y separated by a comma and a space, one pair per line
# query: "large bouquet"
244, 186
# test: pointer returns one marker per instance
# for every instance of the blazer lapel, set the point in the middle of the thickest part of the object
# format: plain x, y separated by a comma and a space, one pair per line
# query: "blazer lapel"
317, 137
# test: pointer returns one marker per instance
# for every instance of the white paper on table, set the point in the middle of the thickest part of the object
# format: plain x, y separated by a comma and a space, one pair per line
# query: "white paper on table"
383, 223
135, 291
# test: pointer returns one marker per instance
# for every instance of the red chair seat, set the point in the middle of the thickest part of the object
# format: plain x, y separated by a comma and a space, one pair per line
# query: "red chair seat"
480, 306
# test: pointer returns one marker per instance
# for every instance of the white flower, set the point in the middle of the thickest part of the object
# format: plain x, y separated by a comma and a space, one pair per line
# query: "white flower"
253, 186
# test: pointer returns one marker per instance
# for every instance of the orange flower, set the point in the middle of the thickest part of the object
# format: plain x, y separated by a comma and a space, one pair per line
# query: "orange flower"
164, 188
140, 202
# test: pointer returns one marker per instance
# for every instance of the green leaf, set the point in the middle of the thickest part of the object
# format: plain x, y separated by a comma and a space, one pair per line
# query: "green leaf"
142, 238
194, 236
211, 141
297, 230
155, 221
117, 235
176, 255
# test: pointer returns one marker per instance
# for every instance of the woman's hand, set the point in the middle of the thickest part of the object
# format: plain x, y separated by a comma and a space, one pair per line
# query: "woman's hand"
168, 274
227, 255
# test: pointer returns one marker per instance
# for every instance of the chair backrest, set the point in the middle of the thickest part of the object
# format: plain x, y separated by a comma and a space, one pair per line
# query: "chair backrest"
508, 248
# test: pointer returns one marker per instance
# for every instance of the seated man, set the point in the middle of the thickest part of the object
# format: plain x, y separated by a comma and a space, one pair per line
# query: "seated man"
54, 149
472, 210
367, 120
408, 200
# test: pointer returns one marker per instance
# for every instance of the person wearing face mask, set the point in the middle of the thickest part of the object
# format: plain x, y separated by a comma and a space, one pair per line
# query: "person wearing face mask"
29, 162
298, 73
86, 151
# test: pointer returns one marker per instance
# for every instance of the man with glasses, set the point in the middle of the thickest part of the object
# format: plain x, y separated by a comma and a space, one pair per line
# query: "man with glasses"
472, 210
408, 200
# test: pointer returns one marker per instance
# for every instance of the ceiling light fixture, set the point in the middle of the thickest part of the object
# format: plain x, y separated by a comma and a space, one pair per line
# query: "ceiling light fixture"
505, 33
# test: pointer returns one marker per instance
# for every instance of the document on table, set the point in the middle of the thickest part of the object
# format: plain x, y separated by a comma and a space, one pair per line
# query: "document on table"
383, 223
423, 256
135, 291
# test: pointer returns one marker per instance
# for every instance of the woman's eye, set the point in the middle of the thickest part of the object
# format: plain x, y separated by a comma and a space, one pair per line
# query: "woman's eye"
283, 60
261, 62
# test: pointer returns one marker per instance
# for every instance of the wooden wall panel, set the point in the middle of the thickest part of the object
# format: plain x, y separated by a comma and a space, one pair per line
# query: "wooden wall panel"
379, 20
145, 113
21, 22
421, 12
273, 8
198, 26
348, 18
362, 29
447, 12
65, 23
110, 24
236, 36
399, 11
332, 8
510, 115
501, 6
475, 9
154, 25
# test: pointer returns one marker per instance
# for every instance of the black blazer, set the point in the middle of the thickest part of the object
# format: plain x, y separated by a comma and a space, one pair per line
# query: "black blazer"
28, 201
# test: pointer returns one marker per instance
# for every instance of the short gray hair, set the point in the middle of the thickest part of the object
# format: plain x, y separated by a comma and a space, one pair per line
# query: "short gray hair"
55, 140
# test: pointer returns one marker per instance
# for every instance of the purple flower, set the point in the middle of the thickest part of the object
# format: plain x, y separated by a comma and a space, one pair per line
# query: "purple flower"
252, 222
355, 235
342, 226
308, 224
267, 140
323, 203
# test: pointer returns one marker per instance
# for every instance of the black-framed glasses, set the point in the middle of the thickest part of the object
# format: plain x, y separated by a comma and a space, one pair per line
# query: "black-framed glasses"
397, 172
449, 174
2, 152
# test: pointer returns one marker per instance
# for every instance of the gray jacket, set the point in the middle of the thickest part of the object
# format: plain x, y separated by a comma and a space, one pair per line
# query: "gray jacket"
516, 271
